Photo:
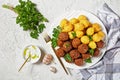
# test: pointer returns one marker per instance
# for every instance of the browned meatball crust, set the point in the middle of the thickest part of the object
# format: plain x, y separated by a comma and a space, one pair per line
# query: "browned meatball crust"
74, 54
82, 48
79, 62
59, 43
60, 52
76, 42
96, 53
63, 36
67, 46
100, 44
85, 56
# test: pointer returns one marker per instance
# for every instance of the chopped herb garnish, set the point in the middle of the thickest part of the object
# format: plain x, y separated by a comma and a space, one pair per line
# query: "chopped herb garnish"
91, 51
90, 37
74, 34
88, 60
67, 57
67, 45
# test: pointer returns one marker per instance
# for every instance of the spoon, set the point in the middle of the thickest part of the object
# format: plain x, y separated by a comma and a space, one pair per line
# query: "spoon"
24, 63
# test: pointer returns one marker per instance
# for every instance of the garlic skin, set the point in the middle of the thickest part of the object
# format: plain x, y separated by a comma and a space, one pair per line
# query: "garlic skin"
53, 69
47, 59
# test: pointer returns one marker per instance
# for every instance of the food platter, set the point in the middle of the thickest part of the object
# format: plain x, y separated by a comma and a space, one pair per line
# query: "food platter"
93, 19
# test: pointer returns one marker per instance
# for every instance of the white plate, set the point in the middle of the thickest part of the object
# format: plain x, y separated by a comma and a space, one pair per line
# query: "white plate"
92, 18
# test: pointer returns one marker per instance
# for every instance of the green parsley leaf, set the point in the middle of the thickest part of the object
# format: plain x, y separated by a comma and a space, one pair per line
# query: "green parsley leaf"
41, 27
74, 34
67, 45
56, 32
34, 34
91, 51
54, 42
67, 57
88, 60
90, 37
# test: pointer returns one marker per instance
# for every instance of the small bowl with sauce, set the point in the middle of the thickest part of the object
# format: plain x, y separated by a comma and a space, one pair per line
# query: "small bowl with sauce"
34, 52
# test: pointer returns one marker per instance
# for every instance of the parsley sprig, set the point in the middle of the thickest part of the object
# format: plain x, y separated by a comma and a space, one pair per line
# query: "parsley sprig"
56, 32
29, 18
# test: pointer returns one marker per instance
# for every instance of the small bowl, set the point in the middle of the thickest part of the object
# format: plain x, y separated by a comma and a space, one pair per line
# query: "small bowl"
33, 51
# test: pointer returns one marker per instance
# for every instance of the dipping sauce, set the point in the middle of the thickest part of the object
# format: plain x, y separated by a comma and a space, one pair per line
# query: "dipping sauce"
34, 53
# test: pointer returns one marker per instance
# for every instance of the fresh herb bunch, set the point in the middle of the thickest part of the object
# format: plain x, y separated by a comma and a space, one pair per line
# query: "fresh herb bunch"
29, 17
56, 32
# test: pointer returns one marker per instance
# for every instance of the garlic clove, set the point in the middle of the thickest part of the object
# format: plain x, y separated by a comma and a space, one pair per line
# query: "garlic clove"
47, 59
53, 69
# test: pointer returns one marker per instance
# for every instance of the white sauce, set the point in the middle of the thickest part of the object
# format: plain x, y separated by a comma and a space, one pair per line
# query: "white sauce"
34, 53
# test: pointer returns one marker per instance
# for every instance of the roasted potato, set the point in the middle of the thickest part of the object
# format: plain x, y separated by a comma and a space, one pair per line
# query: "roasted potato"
67, 28
92, 45
79, 34
63, 23
96, 27
82, 17
71, 34
96, 37
101, 33
78, 27
86, 23
85, 39
74, 21
90, 31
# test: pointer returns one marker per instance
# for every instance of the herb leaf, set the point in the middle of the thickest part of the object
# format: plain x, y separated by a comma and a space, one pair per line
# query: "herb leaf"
34, 34
54, 42
41, 27
90, 37
74, 34
88, 60
91, 51
56, 32
67, 57
67, 45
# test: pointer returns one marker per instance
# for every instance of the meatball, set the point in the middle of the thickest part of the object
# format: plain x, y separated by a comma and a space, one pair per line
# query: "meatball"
60, 52
74, 54
79, 62
83, 48
63, 36
75, 42
67, 46
59, 43
100, 44
85, 56
96, 53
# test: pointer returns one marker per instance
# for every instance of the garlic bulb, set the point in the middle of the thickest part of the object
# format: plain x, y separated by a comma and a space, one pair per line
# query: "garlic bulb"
47, 59
53, 69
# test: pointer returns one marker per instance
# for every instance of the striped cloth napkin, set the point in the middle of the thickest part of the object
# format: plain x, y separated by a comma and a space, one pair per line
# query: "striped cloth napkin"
108, 68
